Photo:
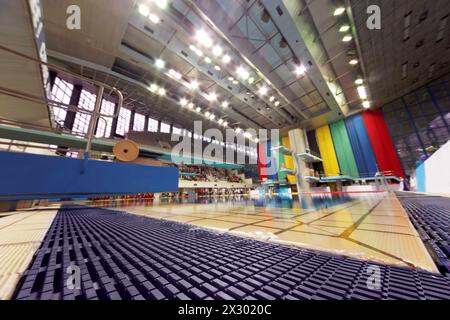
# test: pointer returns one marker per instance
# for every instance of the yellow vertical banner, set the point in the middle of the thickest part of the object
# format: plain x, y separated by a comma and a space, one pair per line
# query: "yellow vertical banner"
327, 152
288, 160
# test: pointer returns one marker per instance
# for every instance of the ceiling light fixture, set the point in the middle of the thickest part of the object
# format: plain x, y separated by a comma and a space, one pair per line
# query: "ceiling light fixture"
159, 63
242, 73
183, 102
277, 103
212, 117
251, 80
263, 90
175, 74
162, 4
347, 38
362, 92
207, 114
193, 85
207, 60
212, 96
359, 81
353, 62
217, 68
230, 78
191, 105
225, 124
217, 51
256, 140
366, 104
226, 59
220, 121
193, 48
199, 52
300, 70
154, 87
154, 18
198, 109
344, 28
339, 11
272, 98
238, 130
162, 91
235, 82
144, 10
204, 39
225, 104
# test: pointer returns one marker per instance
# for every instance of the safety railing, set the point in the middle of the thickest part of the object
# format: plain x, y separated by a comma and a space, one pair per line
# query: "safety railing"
95, 114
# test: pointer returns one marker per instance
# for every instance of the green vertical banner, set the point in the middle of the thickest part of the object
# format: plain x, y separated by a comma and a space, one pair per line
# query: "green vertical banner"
279, 157
343, 148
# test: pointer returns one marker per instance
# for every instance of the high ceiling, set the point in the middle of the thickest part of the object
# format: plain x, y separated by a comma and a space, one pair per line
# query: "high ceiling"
291, 49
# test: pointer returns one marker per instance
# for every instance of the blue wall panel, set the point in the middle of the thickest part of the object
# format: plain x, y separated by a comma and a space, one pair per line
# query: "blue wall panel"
272, 171
420, 178
362, 148
24, 175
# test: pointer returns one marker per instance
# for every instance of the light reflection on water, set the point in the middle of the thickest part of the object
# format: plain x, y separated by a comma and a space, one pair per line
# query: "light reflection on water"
306, 202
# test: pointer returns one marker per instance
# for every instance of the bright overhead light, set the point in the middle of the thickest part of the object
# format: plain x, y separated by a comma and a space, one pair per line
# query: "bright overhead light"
212, 96
207, 114
225, 104
263, 90
193, 85
175, 74
359, 81
212, 117
183, 102
154, 87
256, 140
198, 109
191, 105
347, 38
251, 80
300, 70
235, 82
230, 78
161, 3
220, 121
207, 60
362, 92
242, 73
162, 91
217, 51
192, 48
225, 124
226, 59
217, 68
238, 130
366, 104
344, 28
339, 11
353, 62
204, 38
272, 98
144, 10
247, 135
153, 18
199, 52
159, 63
277, 103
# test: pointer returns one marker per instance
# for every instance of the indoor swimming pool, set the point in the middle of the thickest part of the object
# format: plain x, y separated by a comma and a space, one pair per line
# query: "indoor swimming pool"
368, 226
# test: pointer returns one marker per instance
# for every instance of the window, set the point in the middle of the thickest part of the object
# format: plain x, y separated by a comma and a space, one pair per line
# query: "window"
82, 120
165, 128
176, 130
104, 124
139, 122
123, 122
152, 125
61, 92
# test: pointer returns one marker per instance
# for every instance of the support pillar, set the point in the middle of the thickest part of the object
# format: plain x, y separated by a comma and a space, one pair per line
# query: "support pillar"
299, 144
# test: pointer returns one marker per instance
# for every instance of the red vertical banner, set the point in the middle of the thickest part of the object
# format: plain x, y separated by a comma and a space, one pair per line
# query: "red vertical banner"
262, 161
382, 144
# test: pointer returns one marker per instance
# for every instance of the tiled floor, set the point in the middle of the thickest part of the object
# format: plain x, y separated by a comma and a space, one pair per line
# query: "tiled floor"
374, 228
20, 236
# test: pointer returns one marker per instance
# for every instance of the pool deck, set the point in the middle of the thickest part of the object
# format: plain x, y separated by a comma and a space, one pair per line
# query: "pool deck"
374, 228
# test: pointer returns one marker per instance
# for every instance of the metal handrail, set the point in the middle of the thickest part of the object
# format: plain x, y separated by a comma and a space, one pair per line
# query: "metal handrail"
95, 114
